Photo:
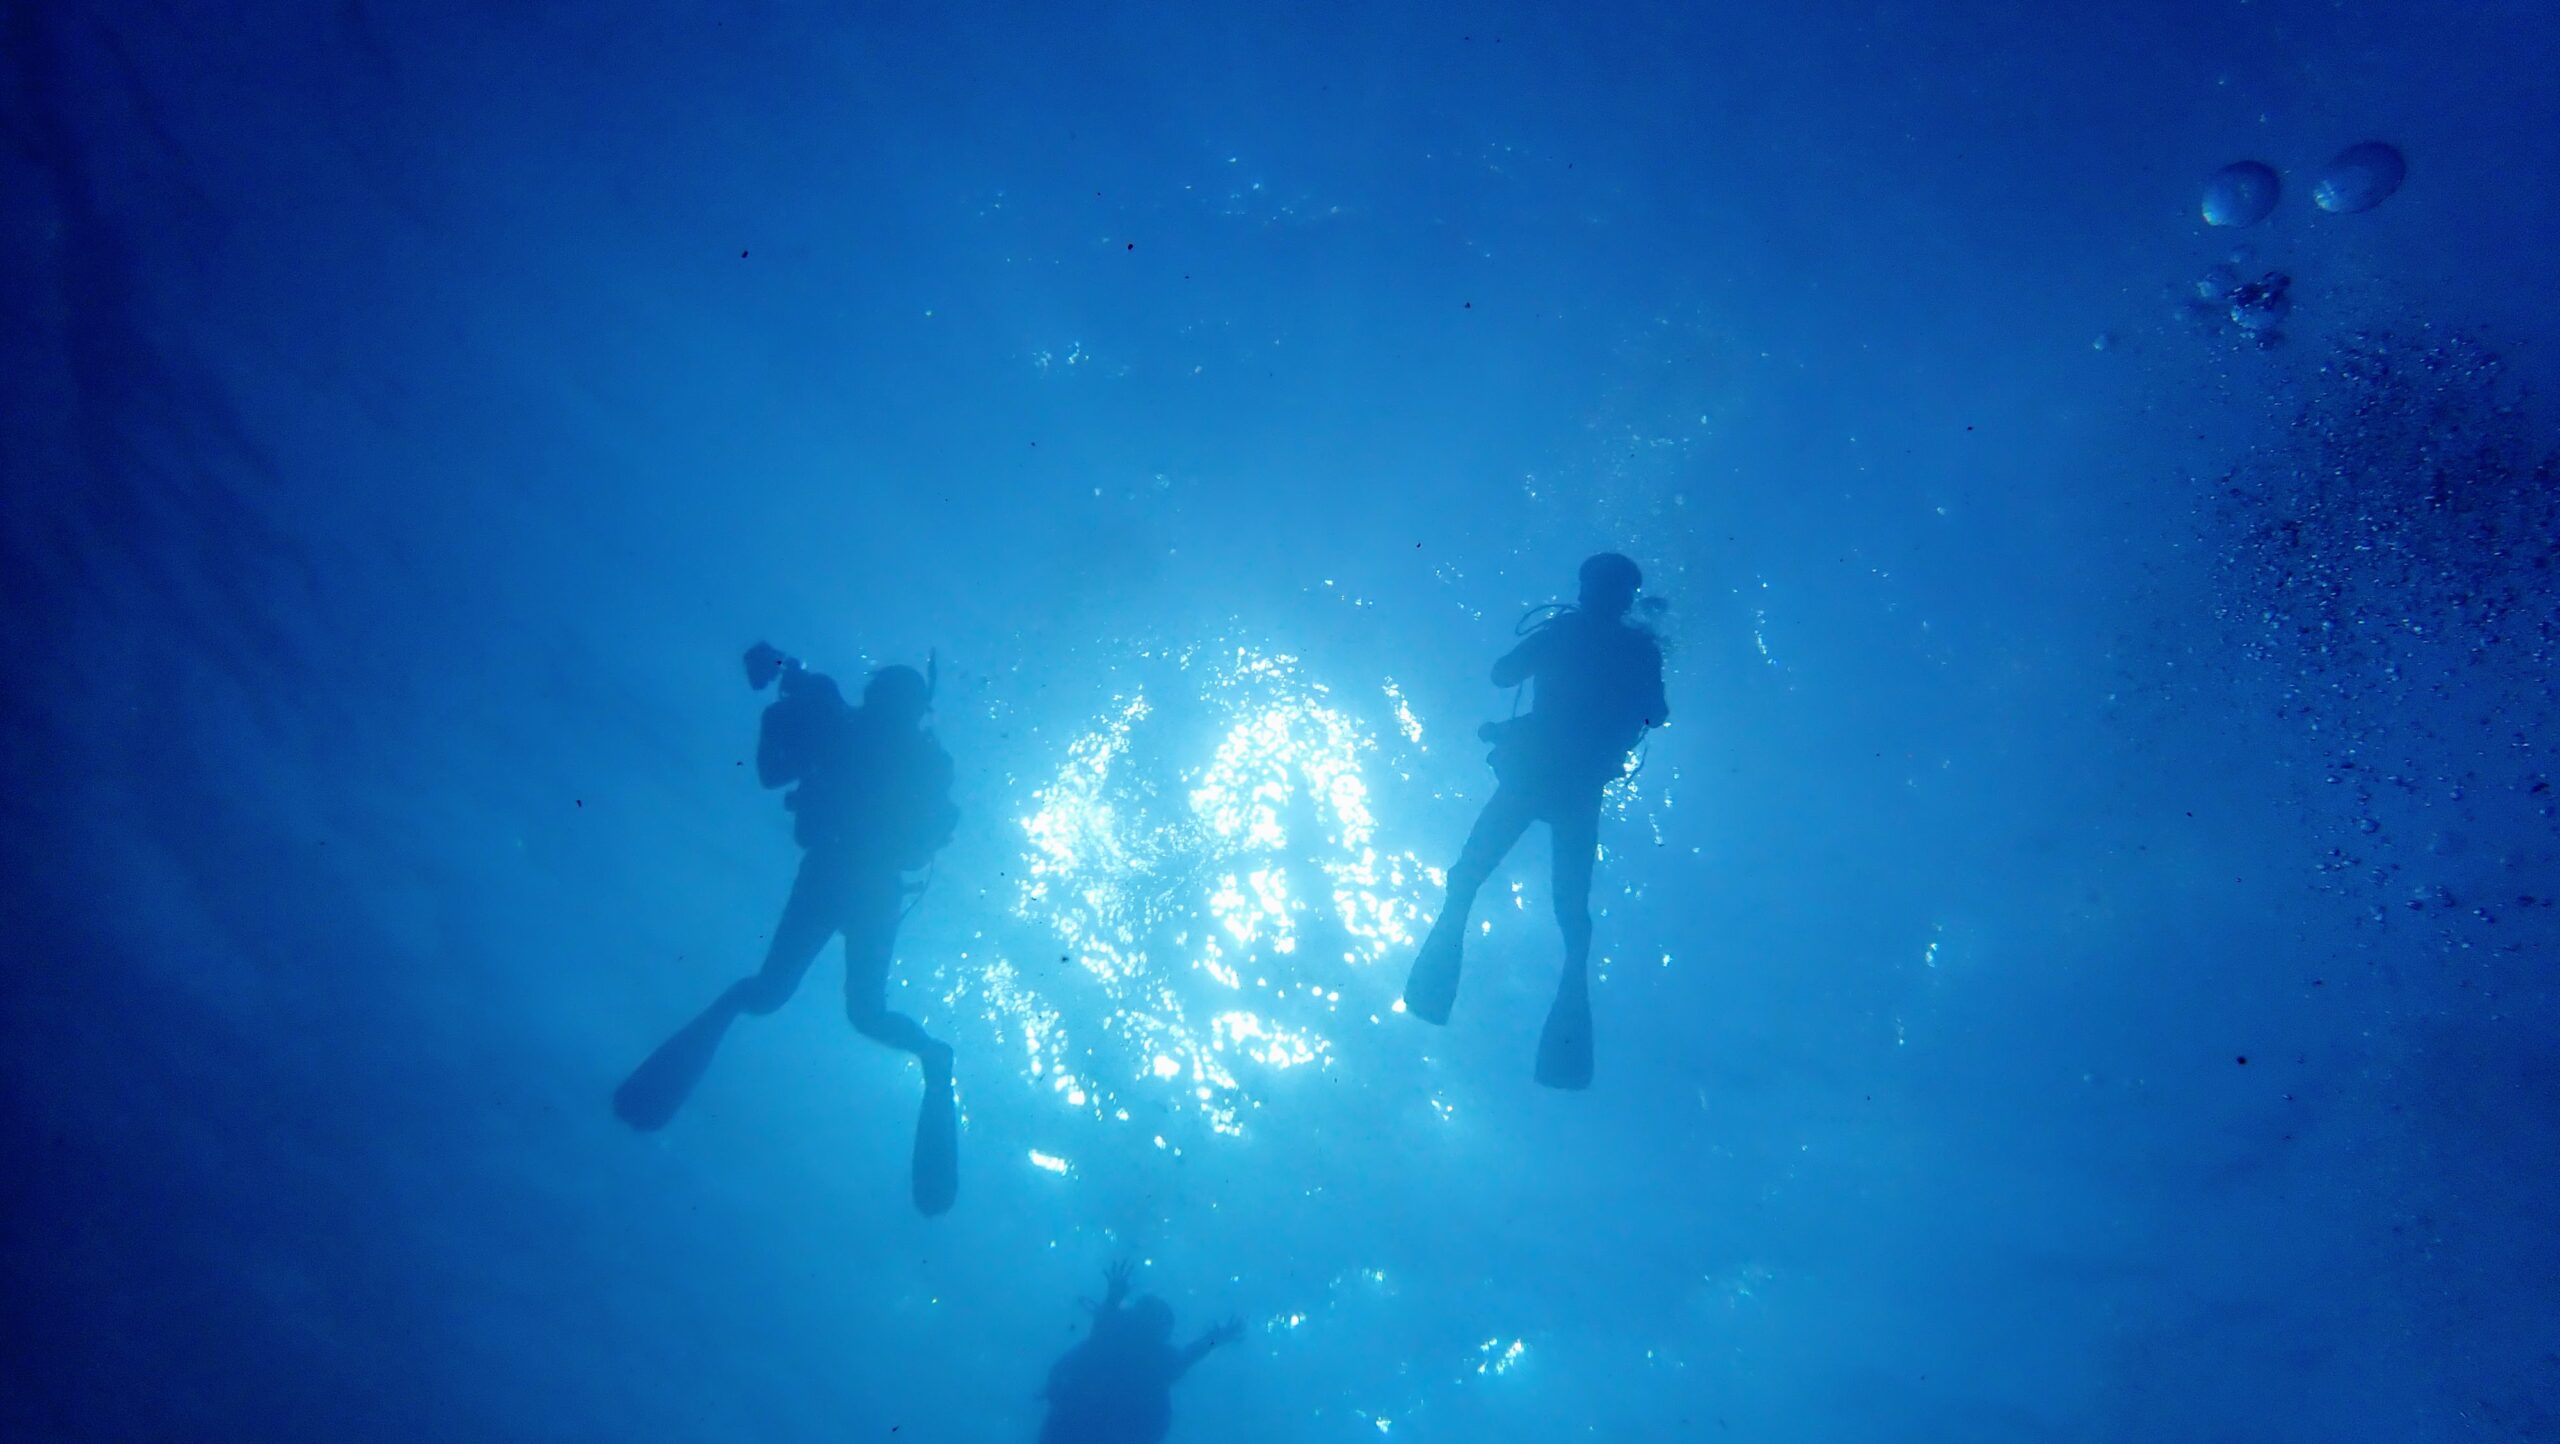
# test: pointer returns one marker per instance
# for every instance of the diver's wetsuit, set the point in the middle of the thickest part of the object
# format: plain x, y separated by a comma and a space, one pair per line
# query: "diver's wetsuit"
833, 894
863, 785
872, 803
1598, 686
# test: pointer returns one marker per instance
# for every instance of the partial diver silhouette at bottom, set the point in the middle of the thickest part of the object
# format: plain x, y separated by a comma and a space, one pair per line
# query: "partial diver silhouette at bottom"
1116, 1387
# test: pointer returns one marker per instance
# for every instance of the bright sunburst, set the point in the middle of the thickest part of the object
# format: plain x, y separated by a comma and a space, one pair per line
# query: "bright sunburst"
1206, 857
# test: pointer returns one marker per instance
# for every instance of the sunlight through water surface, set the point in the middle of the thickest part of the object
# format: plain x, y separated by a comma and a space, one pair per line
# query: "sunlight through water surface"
1205, 870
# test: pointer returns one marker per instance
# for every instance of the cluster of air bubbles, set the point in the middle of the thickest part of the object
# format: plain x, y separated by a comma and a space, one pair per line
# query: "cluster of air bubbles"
2225, 299
2362, 176
2391, 570
2258, 306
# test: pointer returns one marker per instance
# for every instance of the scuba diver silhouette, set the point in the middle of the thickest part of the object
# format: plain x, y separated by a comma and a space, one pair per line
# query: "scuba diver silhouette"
1116, 1387
1598, 687
871, 802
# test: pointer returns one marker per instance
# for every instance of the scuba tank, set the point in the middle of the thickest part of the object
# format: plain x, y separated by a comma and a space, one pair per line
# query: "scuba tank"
1513, 737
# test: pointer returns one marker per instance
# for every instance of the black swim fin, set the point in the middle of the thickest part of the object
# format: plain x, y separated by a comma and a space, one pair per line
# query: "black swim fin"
1431, 989
658, 1087
936, 1169
1564, 1045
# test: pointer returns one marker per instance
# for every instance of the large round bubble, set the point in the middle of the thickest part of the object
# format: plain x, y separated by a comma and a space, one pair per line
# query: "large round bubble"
2362, 177
2240, 194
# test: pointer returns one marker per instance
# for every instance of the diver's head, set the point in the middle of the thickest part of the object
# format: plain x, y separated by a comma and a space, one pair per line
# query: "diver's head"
1151, 1318
1609, 583
899, 693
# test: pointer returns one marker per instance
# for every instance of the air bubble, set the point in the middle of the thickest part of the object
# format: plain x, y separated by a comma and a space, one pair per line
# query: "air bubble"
2361, 177
2241, 194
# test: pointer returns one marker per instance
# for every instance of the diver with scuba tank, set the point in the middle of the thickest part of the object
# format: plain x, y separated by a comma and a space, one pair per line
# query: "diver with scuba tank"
870, 804
1596, 688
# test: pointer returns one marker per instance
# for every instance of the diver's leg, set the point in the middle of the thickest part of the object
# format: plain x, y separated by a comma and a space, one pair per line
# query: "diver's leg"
658, 1087
870, 942
1496, 830
1564, 1046
1506, 815
1431, 989
1575, 831
813, 915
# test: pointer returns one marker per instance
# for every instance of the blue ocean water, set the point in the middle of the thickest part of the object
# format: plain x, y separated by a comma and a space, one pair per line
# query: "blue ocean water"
2075, 966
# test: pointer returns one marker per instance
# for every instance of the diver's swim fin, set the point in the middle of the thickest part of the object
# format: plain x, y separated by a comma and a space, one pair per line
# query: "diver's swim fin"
1564, 1045
659, 1086
1431, 989
937, 1161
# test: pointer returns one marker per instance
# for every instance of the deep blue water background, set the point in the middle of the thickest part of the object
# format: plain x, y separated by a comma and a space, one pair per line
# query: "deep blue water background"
412, 409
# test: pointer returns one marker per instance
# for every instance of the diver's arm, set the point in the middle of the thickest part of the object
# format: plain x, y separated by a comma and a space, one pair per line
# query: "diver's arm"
1657, 706
1116, 1286
777, 760
1226, 1333
800, 678
782, 738
1522, 662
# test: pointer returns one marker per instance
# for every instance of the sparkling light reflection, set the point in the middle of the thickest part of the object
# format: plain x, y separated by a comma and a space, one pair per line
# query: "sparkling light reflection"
1207, 857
